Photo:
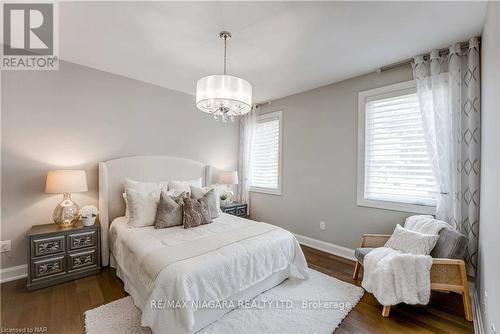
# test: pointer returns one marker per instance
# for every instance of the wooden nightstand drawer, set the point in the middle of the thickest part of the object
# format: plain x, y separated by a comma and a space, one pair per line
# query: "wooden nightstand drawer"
235, 209
241, 211
82, 240
48, 246
48, 267
80, 260
230, 211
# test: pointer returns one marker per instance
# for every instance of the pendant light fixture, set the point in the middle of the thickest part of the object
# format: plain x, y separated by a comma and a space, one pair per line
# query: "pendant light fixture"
224, 96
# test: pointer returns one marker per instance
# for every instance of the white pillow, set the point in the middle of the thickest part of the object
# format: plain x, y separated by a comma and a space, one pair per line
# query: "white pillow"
179, 187
143, 187
219, 189
141, 208
411, 242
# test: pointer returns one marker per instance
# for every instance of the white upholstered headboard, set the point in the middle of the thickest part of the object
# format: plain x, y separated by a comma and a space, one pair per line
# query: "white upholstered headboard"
112, 174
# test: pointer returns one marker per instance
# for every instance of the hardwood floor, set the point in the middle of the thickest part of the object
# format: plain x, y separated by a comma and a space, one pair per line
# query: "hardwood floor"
60, 308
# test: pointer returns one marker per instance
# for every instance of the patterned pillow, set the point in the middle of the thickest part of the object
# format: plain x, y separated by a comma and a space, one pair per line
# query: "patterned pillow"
195, 212
211, 197
169, 211
411, 242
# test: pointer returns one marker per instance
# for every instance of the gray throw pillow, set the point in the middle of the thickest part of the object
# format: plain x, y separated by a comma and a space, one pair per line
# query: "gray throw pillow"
195, 212
169, 212
210, 197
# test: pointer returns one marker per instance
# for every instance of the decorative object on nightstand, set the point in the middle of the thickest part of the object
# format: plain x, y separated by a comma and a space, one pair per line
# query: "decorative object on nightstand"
235, 209
88, 214
227, 178
66, 182
58, 254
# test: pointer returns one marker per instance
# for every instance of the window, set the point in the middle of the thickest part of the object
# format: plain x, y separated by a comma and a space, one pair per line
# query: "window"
266, 155
394, 169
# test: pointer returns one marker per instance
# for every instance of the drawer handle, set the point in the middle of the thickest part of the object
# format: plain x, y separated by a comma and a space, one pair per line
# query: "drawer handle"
82, 241
82, 260
48, 268
48, 247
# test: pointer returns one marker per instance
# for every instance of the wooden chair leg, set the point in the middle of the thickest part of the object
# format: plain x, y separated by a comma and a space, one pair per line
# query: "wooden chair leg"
465, 294
356, 270
467, 307
467, 304
386, 310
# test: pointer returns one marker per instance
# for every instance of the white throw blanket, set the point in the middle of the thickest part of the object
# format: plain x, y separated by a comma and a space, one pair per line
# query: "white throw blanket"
395, 277
425, 224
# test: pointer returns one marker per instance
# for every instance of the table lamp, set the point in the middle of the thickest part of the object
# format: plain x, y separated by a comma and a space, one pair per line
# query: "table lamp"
66, 182
227, 178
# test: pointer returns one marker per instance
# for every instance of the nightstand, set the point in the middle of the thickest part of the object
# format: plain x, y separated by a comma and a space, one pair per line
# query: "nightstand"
58, 254
235, 209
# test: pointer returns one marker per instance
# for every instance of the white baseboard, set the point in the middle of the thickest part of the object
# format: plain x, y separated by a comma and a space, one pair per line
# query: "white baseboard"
13, 273
327, 247
476, 310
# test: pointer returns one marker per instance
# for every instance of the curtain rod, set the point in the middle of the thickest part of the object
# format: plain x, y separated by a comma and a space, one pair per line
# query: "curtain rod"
442, 52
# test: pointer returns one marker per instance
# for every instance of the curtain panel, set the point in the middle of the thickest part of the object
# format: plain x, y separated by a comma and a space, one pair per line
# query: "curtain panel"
248, 125
448, 89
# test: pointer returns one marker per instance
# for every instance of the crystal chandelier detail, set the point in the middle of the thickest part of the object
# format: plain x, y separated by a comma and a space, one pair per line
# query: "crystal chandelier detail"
224, 96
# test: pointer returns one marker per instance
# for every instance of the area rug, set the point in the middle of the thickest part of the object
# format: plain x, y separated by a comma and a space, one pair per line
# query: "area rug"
316, 305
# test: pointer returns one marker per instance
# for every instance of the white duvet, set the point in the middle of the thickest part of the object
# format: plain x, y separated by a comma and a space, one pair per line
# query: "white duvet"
213, 276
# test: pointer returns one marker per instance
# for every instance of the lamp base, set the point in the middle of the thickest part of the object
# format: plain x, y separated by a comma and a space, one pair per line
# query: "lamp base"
67, 213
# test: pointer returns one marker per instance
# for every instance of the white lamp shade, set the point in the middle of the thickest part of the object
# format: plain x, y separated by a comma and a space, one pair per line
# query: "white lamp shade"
215, 91
228, 177
66, 181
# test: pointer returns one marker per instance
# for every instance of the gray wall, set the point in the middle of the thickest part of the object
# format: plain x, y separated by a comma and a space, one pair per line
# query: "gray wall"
489, 226
76, 117
319, 161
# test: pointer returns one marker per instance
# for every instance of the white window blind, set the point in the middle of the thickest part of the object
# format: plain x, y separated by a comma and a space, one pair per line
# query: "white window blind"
397, 166
266, 154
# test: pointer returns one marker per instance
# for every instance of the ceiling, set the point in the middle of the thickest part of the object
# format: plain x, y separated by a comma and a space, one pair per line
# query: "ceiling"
282, 48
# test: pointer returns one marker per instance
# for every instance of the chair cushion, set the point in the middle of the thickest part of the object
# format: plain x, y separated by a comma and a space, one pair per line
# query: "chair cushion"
450, 245
360, 253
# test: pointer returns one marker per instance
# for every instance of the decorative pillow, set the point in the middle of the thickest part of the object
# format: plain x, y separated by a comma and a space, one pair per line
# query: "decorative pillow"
169, 212
143, 187
142, 208
411, 242
195, 212
184, 186
210, 196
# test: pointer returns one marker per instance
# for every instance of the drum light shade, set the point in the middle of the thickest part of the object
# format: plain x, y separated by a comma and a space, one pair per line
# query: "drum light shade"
216, 92
224, 96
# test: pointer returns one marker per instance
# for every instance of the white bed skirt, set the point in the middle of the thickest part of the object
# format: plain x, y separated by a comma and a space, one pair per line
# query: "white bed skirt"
205, 317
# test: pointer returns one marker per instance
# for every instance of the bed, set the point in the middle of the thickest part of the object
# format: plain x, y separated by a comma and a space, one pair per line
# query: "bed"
204, 282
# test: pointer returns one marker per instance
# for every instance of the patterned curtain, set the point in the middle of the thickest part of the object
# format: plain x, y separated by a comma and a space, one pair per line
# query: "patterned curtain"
248, 124
448, 89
